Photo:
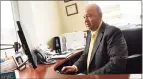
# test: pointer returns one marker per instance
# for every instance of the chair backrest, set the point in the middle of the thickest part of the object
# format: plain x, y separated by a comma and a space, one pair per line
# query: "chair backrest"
133, 39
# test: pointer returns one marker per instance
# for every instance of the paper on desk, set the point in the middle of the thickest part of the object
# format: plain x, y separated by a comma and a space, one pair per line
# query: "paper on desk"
17, 74
8, 65
75, 40
135, 76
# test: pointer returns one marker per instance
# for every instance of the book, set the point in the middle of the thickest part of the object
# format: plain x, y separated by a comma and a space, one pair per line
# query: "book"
8, 75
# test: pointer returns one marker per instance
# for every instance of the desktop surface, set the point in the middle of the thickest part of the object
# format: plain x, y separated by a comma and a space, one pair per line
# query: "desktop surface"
49, 72
38, 73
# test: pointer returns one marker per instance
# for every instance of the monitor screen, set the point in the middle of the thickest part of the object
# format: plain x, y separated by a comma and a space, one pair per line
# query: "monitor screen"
31, 55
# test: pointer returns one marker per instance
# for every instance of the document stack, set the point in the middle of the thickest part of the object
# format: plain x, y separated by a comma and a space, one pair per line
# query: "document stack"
9, 65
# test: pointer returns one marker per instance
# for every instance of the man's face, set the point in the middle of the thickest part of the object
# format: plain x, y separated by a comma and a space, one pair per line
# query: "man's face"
92, 19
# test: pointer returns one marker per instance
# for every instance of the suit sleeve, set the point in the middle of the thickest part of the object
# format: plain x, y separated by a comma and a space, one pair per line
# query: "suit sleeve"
117, 51
80, 63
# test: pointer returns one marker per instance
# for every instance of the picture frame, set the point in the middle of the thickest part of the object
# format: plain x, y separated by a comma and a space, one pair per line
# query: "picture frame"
19, 62
71, 9
67, 0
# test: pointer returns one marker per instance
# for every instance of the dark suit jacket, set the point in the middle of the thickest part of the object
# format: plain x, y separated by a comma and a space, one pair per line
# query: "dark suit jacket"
109, 52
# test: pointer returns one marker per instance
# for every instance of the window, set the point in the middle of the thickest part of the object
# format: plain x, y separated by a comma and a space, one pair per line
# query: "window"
121, 13
8, 31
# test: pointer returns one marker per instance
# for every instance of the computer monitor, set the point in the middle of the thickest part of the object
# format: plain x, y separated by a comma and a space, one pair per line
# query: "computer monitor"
31, 55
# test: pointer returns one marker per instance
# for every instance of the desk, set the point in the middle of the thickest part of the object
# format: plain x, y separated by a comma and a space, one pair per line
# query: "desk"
48, 72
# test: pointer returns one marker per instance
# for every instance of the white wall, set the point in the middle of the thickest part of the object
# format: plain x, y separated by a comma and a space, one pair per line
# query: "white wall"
40, 19
73, 22
46, 20
27, 22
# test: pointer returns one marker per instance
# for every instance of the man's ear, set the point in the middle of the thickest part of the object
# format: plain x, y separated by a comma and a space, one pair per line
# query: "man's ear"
100, 14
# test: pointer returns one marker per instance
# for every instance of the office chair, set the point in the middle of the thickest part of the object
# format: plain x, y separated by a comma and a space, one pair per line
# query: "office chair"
133, 39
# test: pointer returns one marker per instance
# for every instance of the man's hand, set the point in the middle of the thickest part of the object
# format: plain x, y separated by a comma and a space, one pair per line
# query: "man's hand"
68, 69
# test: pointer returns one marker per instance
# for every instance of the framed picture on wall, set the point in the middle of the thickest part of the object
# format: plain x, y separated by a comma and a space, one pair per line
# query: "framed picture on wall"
71, 9
67, 0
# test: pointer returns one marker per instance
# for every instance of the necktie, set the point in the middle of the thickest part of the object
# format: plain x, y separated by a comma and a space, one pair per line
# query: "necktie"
93, 37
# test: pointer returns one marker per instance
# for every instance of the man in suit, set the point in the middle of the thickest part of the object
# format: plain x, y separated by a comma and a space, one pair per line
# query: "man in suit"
106, 48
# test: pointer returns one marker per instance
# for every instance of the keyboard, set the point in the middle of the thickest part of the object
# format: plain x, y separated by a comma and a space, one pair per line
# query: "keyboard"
63, 55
